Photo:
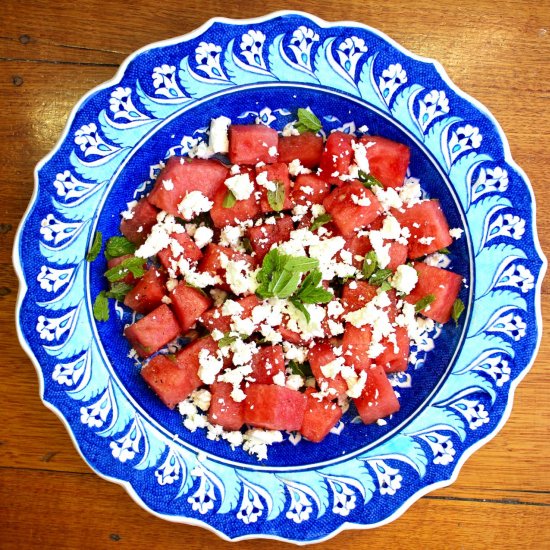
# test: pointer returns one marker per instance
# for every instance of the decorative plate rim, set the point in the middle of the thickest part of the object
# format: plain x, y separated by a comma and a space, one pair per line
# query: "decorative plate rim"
507, 157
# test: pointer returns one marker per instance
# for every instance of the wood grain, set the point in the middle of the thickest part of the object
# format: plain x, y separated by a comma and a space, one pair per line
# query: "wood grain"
51, 53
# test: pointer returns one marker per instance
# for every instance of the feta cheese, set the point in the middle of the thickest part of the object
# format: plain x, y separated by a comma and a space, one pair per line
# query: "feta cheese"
404, 279
193, 204
263, 181
203, 235
381, 250
330, 370
201, 399
230, 308
168, 184
389, 198
391, 228
280, 379
295, 168
411, 192
240, 185
219, 140
456, 232
361, 159
317, 210
209, 366
256, 440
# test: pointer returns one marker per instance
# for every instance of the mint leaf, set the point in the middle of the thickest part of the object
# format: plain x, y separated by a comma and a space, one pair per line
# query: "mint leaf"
385, 286
229, 200
101, 307
307, 122
247, 245
370, 264
423, 303
95, 248
276, 199
458, 308
118, 291
118, 246
303, 369
379, 276
301, 307
320, 221
368, 180
311, 293
444, 251
285, 283
133, 265
226, 340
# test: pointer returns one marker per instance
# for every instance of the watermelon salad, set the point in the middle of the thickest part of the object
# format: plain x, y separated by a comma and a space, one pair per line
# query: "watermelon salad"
277, 279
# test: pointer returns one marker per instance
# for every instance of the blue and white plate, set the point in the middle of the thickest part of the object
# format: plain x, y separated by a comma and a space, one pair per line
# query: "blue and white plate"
456, 395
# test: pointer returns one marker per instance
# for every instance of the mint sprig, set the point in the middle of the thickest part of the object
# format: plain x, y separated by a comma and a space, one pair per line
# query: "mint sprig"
458, 308
95, 248
319, 221
118, 246
132, 265
307, 122
423, 303
276, 199
368, 180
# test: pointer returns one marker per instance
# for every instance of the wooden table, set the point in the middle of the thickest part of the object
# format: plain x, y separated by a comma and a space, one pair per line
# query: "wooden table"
51, 53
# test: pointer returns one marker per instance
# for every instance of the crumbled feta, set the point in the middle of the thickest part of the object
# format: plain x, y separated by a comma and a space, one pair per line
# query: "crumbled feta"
456, 232
317, 210
404, 279
201, 399
290, 130
356, 384
263, 181
168, 184
255, 441
209, 366
388, 197
295, 168
193, 204
411, 193
219, 140
230, 308
240, 185
295, 382
381, 250
160, 236
203, 235
361, 160
330, 370
391, 228
280, 379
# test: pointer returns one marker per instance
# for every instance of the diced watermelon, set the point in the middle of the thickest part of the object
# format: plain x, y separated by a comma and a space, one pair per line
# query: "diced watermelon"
378, 399
186, 175
319, 356
263, 237
398, 255
306, 147
357, 294
277, 173
190, 251
213, 318
319, 417
172, 380
224, 410
388, 160
242, 210
137, 228
395, 358
113, 262
309, 189
444, 285
337, 157
252, 143
274, 407
358, 245
290, 336
211, 261
355, 346
345, 205
188, 304
427, 223
268, 362
148, 292
153, 331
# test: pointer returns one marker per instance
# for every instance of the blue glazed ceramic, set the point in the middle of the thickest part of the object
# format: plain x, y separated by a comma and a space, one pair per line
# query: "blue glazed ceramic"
455, 396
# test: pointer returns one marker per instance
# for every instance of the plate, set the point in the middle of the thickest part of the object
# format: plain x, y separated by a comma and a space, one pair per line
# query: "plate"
457, 392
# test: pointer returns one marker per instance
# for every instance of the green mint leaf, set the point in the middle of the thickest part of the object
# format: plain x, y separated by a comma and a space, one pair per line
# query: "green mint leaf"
226, 340
276, 199
423, 303
247, 245
303, 369
118, 291
370, 264
445, 251
385, 286
285, 283
118, 246
198, 288
302, 264
229, 200
133, 265
310, 292
379, 276
101, 307
320, 221
95, 248
458, 308
368, 180
307, 122
301, 307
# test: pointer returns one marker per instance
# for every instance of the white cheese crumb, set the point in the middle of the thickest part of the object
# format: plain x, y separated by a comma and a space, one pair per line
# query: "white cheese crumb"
404, 279
203, 235
456, 232
280, 379
219, 140
209, 366
240, 185
295, 168
193, 204
201, 399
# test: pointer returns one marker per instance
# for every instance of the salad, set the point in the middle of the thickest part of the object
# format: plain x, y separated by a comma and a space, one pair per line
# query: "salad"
293, 272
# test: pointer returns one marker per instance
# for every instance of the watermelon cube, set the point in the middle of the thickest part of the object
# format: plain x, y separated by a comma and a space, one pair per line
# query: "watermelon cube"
360, 246
307, 148
139, 225
153, 331
274, 407
352, 207
188, 304
148, 292
170, 379
388, 160
320, 417
276, 173
224, 410
428, 226
319, 356
357, 294
242, 210
442, 284
211, 262
395, 358
263, 237
267, 363
309, 189
252, 143
187, 249
213, 318
355, 347
336, 158
398, 255
182, 175
378, 399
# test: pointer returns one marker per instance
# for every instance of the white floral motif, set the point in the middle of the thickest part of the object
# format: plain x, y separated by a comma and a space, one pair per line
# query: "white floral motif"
301, 43
69, 187
518, 276
300, 507
435, 104
122, 106
490, 180
68, 374
53, 329
441, 446
350, 52
473, 411
389, 479
95, 415
126, 447
511, 324
169, 470
56, 230
507, 225
344, 498
392, 78
204, 497
498, 368
207, 56
464, 139
91, 143
251, 47
51, 279
164, 81
251, 507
